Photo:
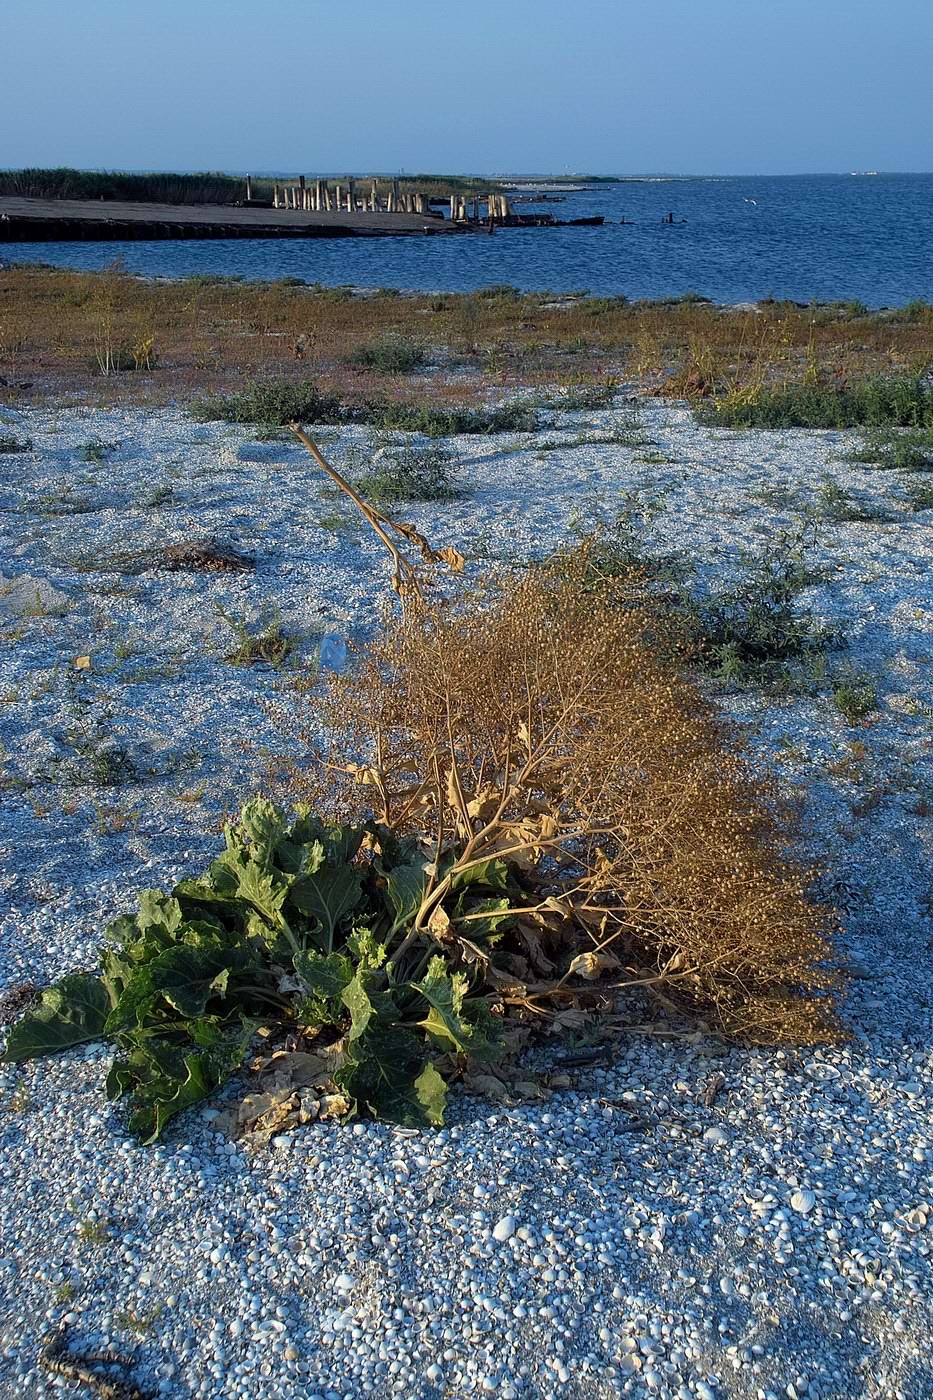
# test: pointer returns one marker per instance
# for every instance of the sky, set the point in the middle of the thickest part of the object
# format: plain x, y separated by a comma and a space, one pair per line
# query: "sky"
473, 86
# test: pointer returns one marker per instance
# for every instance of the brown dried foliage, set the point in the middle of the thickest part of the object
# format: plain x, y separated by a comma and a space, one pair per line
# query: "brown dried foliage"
216, 334
536, 721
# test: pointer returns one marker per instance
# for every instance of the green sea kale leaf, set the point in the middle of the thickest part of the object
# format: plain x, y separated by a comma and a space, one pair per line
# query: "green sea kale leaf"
73, 1012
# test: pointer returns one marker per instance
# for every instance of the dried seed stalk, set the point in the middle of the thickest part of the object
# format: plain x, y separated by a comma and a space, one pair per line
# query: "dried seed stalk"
407, 579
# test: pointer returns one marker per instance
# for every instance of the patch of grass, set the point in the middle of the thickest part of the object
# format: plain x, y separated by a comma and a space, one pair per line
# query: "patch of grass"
402, 473
272, 403
919, 495
516, 417
132, 1320
10, 444
260, 642
833, 503
896, 401
615, 542
854, 695
585, 396
754, 630
393, 354
160, 496
910, 450
93, 1232
64, 503
97, 450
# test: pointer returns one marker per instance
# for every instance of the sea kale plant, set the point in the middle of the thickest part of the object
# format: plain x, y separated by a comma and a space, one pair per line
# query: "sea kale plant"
297, 930
526, 817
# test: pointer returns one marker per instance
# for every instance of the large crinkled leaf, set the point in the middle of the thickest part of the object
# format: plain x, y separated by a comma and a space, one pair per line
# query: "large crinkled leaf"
158, 910
136, 1004
366, 948
329, 896
262, 825
165, 1078
444, 993
117, 969
265, 890
188, 977
341, 843
299, 858
484, 919
324, 974
357, 1002
492, 873
431, 1090
381, 1071
72, 1012
450, 1023
405, 887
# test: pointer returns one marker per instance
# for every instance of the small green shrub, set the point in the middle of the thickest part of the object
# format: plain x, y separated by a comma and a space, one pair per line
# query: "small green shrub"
910, 450
835, 504
919, 495
754, 630
271, 403
854, 695
582, 397
263, 642
408, 474
515, 417
903, 402
276, 402
97, 450
392, 355
10, 444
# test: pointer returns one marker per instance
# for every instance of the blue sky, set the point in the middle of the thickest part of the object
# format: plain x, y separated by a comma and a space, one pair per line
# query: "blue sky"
686, 86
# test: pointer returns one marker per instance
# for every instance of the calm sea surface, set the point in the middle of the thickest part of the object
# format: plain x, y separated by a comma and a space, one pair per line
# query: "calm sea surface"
823, 237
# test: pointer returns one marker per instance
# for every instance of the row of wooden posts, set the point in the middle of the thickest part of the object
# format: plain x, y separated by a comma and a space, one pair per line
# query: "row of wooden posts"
497, 207
317, 196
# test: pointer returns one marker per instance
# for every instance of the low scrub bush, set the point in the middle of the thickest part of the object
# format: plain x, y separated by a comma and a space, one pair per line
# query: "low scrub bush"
516, 417
903, 402
271, 403
401, 473
585, 396
919, 495
10, 444
276, 402
260, 642
754, 630
392, 355
854, 695
910, 450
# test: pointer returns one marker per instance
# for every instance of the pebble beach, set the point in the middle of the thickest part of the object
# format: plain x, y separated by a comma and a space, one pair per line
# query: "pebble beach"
685, 1219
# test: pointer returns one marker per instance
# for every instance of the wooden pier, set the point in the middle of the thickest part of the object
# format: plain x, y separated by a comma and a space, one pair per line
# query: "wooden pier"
56, 220
300, 209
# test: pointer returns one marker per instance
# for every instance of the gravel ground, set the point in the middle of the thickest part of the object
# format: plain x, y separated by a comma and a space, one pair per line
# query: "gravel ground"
687, 1220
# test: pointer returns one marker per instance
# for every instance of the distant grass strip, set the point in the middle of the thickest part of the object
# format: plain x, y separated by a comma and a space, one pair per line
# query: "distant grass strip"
910, 450
273, 403
894, 402
64, 183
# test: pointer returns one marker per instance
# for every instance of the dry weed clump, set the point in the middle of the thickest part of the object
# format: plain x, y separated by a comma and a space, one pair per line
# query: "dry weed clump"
530, 734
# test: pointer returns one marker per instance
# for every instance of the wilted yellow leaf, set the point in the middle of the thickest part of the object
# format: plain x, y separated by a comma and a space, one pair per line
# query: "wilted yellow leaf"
592, 965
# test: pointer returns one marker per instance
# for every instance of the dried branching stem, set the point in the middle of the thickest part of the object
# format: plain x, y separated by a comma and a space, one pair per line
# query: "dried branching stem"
407, 580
